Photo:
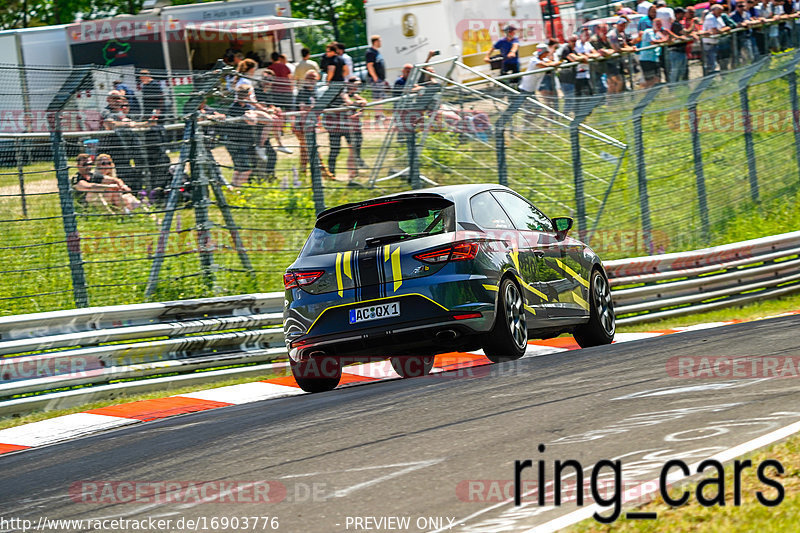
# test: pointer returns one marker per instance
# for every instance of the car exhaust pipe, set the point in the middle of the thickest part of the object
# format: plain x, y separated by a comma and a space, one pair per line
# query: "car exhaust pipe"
305, 356
446, 335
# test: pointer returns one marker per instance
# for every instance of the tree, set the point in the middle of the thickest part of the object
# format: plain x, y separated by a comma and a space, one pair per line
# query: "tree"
346, 17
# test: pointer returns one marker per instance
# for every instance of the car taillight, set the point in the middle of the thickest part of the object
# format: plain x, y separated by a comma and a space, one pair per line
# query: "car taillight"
293, 280
463, 251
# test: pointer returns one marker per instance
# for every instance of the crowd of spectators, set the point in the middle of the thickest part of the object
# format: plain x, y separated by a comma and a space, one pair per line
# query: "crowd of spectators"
264, 99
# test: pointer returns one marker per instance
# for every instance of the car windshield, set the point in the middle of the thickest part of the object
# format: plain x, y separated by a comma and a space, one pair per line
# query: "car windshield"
365, 226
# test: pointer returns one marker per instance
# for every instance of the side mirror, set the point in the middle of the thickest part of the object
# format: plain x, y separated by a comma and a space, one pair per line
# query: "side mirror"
563, 225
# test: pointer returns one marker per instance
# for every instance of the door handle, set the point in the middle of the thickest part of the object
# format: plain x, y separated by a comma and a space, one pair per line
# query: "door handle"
538, 253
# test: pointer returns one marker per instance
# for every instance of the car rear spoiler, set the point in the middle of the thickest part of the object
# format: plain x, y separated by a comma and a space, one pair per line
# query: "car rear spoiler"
395, 197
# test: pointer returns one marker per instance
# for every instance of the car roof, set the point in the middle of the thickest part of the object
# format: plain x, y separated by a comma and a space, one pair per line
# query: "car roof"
453, 193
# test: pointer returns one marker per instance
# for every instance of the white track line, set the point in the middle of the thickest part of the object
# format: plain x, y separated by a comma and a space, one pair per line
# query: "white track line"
61, 428
244, 393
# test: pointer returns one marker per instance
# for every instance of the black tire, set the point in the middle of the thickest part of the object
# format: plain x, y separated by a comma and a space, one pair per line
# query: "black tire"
602, 323
509, 336
318, 374
412, 366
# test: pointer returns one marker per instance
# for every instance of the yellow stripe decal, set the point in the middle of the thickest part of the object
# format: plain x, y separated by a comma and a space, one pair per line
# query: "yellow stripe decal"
491, 287
386, 248
578, 299
531, 309
346, 261
372, 300
572, 273
534, 290
397, 273
339, 286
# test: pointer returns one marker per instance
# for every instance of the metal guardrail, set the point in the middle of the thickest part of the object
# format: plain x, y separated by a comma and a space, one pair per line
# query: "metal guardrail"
662, 286
46, 351
94, 346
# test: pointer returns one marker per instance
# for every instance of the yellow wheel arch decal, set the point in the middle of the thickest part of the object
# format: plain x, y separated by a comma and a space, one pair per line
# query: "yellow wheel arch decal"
397, 271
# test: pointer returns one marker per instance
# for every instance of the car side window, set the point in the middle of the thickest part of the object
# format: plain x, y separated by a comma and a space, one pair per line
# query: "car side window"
523, 214
487, 213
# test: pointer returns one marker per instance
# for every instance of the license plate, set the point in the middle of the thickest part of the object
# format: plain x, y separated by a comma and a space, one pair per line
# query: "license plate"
374, 312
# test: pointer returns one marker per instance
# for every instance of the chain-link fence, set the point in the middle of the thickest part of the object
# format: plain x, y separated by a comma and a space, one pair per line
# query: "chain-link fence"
186, 186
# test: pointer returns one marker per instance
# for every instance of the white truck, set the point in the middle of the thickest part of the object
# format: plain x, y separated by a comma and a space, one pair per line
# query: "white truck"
463, 28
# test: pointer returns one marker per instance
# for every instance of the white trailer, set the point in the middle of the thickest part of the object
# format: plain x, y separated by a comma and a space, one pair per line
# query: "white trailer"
463, 28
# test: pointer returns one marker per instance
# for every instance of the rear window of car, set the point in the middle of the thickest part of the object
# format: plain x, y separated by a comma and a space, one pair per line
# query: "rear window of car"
369, 225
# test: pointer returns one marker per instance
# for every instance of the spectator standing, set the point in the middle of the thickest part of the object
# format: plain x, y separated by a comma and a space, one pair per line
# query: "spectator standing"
756, 26
618, 40
648, 59
566, 76
600, 43
241, 136
678, 60
341, 51
133, 102
643, 6
305, 64
583, 53
154, 109
509, 49
647, 20
741, 16
124, 145
306, 98
337, 124
354, 160
666, 14
532, 83
282, 84
333, 65
376, 69
401, 81
713, 27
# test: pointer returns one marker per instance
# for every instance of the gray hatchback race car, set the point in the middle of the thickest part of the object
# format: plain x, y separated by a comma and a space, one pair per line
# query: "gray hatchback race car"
414, 274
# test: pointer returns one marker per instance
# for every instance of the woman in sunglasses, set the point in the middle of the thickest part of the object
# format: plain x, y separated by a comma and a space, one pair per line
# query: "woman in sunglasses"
116, 192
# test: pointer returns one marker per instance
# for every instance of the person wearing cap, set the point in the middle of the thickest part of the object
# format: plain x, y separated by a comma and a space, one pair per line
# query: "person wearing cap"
508, 47
666, 14
741, 16
713, 26
531, 83
618, 40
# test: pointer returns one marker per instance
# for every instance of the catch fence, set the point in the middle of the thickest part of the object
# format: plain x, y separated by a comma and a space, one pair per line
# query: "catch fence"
217, 206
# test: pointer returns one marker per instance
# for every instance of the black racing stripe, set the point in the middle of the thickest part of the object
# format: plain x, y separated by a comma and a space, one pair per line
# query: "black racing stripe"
368, 273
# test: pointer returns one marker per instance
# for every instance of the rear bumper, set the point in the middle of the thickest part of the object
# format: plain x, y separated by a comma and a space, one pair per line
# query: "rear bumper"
425, 325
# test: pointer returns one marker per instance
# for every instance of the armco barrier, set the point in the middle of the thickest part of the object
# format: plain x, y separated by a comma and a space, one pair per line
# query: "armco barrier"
662, 286
95, 346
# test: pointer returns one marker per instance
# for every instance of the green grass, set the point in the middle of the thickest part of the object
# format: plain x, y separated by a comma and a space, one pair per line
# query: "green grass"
275, 219
750, 516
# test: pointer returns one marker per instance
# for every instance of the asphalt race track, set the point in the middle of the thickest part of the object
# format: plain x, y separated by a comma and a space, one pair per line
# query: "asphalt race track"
430, 449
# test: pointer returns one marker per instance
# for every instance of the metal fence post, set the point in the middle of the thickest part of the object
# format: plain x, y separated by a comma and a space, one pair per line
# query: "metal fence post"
413, 158
73, 238
795, 114
21, 176
641, 168
514, 103
747, 124
583, 108
200, 203
697, 152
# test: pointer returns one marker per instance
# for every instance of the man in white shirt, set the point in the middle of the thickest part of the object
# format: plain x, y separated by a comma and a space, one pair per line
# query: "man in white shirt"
530, 83
714, 25
666, 14
340, 51
643, 6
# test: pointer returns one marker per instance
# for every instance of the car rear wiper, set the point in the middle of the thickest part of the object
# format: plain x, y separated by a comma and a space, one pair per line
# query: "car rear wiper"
385, 239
